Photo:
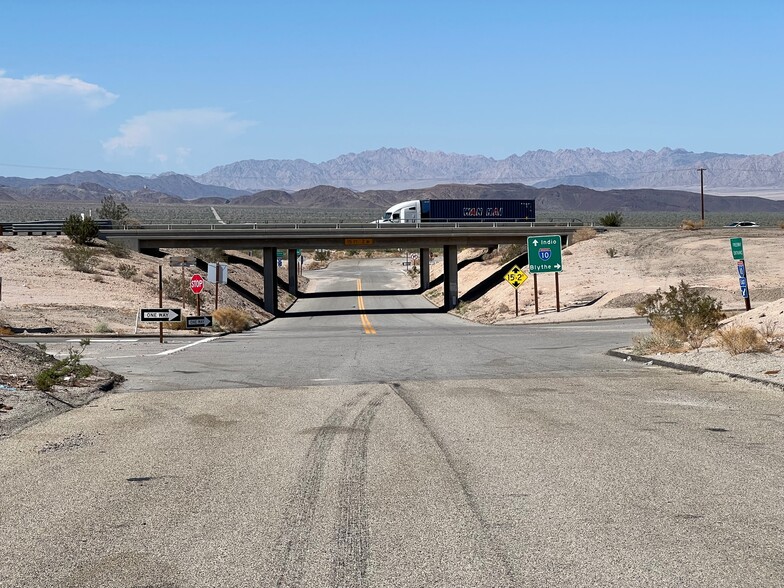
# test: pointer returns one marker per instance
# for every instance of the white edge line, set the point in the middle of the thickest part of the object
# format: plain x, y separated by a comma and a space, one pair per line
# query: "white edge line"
170, 351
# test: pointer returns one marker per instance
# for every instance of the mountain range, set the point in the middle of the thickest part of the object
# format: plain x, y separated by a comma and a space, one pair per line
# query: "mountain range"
583, 179
590, 168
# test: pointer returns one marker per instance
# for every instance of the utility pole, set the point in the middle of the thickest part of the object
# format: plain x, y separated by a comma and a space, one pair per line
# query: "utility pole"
702, 194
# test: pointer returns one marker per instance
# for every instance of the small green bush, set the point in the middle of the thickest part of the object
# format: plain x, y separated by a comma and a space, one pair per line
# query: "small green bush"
611, 219
127, 271
80, 258
81, 231
69, 370
683, 312
611, 252
321, 255
103, 328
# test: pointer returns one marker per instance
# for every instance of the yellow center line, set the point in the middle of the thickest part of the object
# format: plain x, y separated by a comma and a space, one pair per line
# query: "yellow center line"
369, 330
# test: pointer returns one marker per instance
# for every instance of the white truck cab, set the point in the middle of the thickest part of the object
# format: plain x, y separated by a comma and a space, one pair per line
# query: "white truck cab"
404, 212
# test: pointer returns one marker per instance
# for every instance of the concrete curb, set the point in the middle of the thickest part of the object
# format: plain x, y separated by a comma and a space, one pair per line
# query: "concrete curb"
688, 368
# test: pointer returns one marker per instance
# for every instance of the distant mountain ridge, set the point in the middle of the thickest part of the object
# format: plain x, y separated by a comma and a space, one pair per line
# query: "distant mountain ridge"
388, 168
168, 183
331, 198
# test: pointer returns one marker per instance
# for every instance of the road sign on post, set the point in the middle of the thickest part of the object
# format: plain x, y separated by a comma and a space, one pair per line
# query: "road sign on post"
544, 254
197, 284
181, 261
161, 315
736, 244
516, 277
197, 322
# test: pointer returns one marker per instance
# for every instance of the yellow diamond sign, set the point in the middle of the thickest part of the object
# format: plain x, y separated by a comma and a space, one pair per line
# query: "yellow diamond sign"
516, 277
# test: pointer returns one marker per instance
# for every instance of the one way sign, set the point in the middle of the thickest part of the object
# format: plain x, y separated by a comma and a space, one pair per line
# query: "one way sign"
160, 315
197, 322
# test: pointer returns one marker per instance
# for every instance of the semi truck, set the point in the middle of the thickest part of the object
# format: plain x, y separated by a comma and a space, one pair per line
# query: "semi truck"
416, 211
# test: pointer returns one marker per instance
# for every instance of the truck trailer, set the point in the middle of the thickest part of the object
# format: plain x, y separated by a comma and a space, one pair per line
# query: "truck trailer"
416, 211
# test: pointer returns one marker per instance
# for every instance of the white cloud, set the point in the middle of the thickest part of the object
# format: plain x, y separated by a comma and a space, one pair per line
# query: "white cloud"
22, 91
168, 136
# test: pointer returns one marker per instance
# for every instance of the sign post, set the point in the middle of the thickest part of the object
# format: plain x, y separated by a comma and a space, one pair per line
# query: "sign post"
516, 277
544, 256
736, 245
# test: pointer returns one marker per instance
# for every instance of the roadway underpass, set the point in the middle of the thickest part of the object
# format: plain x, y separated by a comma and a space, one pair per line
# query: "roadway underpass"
271, 238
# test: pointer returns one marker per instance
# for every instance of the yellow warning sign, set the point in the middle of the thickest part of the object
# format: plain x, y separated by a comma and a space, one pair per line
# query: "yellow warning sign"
516, 277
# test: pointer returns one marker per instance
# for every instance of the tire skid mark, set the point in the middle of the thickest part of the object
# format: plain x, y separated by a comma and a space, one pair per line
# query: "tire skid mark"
353, 531
298, 520
494, 555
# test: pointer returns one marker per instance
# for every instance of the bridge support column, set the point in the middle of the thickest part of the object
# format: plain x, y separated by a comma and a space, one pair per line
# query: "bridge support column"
450, 277
424, 269
293, 272
270, 280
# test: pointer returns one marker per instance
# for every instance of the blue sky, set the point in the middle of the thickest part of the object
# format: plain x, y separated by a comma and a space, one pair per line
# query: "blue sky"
146, 87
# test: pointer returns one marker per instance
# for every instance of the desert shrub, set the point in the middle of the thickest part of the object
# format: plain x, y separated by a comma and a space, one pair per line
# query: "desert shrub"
81, 231
611, 219
691, 225
770, 332
5, 247
322, 255
98, 278
150, 273
682, 312
509, 252
174, 325
781, 225
127, 271
662, 340
368, 253
179, 289
6, 331
112, 210
118, 250
231, 319
583, 234
69, 369
103, 328
352, 252
79, 258
741, 339
611, 252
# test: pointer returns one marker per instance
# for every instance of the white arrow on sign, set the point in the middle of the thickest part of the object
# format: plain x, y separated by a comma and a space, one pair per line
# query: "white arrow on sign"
193, 322
557, 266
163, 314
535, 242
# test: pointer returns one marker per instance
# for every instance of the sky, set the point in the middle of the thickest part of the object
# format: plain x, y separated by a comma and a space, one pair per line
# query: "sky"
138, 86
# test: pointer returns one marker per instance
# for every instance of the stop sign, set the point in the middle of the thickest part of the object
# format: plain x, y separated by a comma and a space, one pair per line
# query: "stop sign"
197, 283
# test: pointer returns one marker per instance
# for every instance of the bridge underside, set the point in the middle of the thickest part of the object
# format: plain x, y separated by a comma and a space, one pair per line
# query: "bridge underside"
424, 238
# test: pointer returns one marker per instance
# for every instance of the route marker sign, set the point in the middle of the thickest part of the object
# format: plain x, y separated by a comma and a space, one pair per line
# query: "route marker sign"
516, 277
197, 284
544, 254
197, 322
736, 244
161, 315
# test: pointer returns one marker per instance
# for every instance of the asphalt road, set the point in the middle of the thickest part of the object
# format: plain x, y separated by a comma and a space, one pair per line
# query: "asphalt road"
521, 457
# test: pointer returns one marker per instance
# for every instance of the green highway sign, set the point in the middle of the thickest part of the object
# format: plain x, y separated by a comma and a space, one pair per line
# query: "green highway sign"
736, 244
544, 254
281, 253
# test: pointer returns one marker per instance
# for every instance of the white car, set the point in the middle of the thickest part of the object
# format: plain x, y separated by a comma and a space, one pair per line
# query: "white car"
745, 224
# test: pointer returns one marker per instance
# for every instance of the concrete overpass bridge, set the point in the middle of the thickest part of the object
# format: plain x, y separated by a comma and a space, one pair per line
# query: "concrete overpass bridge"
290, 237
